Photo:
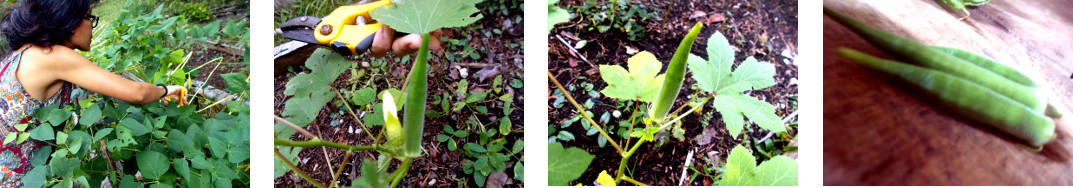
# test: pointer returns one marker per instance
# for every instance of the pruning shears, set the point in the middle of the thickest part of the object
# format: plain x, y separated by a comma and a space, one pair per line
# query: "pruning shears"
348, 30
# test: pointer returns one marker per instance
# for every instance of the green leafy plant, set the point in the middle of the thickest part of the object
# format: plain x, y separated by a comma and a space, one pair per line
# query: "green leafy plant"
616, 14
567, 165
715, 76
405, 144
740, 170
201, 144
556, 15
642, 83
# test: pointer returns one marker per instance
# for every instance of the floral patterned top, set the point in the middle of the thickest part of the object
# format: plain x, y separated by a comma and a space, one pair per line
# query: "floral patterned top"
17, 107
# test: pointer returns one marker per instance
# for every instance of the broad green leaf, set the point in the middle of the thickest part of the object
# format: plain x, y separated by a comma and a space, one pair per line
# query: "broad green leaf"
364, 96
57, 116
313, 90
61, 138
640, 83
779, 171
136, 128
605, 180
715, 75
182, 167
102, 133
21, 127
519, 171
556, 15
424, 16
733, 106
90, 116
41, 156
376, 118
35, 178
43, 133
741, 165
63, 166
152, 164
566, 164
23, 137
236, 82
474, 148
10, 137
741, 170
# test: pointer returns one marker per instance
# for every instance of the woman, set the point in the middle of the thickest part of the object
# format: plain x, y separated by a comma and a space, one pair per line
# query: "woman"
43, 68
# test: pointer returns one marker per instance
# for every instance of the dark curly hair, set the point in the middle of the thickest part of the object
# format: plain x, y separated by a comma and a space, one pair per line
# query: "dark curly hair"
42, 22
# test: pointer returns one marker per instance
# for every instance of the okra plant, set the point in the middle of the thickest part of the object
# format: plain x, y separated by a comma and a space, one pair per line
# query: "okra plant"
313, 90
201, 143
642, 83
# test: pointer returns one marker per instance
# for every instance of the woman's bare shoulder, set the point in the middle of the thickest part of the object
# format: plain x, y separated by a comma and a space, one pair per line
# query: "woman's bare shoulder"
56, 57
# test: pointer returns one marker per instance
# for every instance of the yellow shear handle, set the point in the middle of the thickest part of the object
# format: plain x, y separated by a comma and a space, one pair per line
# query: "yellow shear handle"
182, 97
339, 28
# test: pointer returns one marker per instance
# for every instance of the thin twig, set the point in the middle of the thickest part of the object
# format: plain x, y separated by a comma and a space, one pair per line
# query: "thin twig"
582, 111
295, 127
686, 114
296, 170
635, 182
335, 182
329, 161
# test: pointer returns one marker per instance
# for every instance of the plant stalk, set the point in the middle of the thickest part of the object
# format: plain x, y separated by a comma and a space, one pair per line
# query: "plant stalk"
296, 170
318, 142
661, 127
295, 127
582, 111
635, 182
414, 117
401, 172
626, 157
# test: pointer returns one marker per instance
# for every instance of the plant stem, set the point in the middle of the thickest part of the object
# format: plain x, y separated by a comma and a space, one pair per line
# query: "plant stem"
295, 127
414, 117
582, 111
318, 142
661, 127
635, 182
296, 170
625, 158
401, 172
340, 169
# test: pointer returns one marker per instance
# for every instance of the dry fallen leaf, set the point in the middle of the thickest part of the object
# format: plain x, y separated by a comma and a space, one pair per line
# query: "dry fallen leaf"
716, 18
698, 14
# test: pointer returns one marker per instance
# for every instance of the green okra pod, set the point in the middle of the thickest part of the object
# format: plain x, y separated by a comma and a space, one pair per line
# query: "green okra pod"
989, 64
966, 98
676, 72
414, 118
924, 56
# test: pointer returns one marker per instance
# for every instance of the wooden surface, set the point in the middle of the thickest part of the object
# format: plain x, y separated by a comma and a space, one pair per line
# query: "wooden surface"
876, 133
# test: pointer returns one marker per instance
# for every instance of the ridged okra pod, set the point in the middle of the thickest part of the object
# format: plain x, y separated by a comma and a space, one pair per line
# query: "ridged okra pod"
966, 98
676, 72
414, 118
924, 56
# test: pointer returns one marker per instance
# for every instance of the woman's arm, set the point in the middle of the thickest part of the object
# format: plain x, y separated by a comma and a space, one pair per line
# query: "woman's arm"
73, 67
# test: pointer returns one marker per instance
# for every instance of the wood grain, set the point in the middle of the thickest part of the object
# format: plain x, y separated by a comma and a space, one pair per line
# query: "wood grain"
879, 133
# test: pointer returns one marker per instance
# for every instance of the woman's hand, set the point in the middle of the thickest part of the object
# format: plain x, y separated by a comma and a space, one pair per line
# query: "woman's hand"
384, 41
175, 93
